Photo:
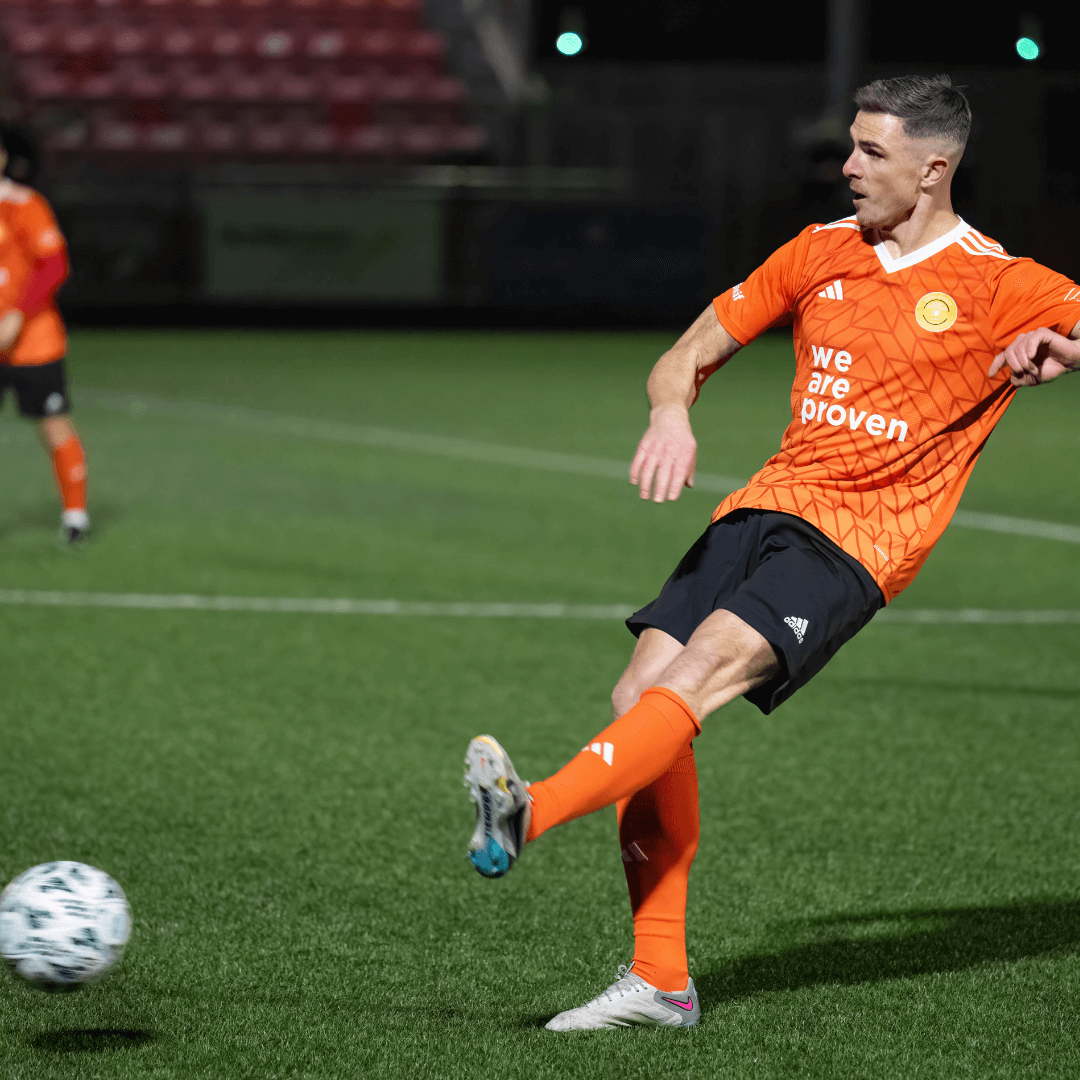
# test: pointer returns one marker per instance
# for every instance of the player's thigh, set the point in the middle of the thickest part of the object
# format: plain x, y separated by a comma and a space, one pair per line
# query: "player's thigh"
724, 658
41, 389
653, 654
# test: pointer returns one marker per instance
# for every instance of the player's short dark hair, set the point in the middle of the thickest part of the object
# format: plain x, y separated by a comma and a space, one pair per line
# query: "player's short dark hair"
929, 105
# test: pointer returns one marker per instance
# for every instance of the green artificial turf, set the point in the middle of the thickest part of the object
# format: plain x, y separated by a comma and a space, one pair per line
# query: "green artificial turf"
888, 878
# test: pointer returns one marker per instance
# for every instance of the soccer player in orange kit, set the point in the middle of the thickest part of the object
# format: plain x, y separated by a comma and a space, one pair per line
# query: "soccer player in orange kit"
907, 322
33, 265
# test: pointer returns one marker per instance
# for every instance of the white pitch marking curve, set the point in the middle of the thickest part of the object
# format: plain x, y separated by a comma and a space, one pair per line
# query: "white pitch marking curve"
289, 605
490, 453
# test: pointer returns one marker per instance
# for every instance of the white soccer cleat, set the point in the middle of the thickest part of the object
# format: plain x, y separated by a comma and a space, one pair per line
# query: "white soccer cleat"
632, 1002
503, 809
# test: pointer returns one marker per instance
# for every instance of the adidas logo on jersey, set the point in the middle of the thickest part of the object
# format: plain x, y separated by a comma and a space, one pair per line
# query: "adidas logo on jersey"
604, 750
798, 625
835, 291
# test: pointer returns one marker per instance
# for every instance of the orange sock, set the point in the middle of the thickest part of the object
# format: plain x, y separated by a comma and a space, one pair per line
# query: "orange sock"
69, 464
658, 830
625, 757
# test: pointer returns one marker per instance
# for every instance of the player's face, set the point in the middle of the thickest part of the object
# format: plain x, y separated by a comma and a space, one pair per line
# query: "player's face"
885, 171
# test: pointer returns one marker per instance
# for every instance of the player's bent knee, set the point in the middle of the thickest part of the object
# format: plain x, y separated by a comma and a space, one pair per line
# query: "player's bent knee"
625, 695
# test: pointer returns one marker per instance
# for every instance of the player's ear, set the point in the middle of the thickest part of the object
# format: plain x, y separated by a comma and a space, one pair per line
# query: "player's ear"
935, 169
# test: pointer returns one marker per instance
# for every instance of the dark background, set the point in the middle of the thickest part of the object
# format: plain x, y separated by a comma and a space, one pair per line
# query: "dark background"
635, 180
707, 31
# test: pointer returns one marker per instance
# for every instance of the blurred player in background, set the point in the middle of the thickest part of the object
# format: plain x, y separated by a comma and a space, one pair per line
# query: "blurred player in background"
33, 265
906, 323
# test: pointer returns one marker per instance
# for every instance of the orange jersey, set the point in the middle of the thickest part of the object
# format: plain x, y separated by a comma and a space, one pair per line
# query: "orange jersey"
891, 403
28, 234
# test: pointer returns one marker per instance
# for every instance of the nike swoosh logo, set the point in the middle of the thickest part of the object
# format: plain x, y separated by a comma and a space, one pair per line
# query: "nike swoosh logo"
687, 1005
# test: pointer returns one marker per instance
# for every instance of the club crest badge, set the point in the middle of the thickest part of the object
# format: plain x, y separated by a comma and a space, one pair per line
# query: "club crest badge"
935, 312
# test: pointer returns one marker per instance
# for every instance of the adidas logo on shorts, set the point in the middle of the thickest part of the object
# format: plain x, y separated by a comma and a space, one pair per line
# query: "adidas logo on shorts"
798, 625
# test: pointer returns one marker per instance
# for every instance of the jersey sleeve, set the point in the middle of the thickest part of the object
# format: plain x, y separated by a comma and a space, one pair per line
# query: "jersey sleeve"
1027, 296
767, 297
37, 229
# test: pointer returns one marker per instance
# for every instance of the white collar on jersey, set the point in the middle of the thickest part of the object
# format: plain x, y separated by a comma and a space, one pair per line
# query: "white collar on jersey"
940, 244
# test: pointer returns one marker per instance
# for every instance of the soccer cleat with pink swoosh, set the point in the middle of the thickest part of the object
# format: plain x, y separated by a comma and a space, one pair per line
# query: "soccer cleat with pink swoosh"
631, 1002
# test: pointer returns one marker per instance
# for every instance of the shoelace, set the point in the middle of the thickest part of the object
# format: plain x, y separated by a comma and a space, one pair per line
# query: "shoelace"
626, 982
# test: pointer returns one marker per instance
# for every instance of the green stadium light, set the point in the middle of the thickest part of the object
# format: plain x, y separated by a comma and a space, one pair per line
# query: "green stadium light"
1027, 48
569, 44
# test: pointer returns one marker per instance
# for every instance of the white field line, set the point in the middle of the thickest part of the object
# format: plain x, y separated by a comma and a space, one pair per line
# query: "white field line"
272, 423
343, 606
305, 606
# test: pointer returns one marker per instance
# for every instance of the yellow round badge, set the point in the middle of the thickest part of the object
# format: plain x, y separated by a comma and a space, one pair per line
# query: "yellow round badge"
936, 311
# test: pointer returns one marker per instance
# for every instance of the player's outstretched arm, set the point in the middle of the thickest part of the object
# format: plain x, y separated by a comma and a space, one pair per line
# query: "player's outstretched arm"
667, 454
1039, 356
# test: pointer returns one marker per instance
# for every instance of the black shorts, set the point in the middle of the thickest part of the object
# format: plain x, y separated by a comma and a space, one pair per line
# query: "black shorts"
783, 577
40, 389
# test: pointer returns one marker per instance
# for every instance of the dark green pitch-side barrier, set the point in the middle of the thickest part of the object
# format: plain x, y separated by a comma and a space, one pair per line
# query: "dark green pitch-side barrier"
387, 249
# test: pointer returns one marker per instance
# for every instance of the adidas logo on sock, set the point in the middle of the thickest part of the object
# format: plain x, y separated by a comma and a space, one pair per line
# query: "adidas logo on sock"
604, 750
835, 291
633, 853
798, 625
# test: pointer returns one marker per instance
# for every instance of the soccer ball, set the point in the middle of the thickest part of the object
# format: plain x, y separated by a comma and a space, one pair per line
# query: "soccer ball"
63, 925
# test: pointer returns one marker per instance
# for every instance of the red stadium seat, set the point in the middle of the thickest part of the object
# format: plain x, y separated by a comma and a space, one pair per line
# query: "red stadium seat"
231, 42
169, 138
326, 44
466, 138
144, 83
275, 43
99, 86
424, 45
422, 140
402, 88
64, 9
72, 136
380, 45
404, 14
31, 38
316, 139
445, 91
270, 137
293, 86
184, 39
371, 140
199, 86
357, 7
129, 39
348, 89
43, 83
81, 39
116, 135
240, 84
218, 137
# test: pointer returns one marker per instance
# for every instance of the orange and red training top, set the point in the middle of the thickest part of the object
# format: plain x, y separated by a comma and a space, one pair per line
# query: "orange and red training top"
891, 403
33, 265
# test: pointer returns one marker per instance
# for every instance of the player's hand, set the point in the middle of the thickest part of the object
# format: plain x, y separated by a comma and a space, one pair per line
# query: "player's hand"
10, 328
1038, 357
666, 456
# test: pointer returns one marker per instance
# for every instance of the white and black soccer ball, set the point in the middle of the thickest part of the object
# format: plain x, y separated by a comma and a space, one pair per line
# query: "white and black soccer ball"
63, 925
